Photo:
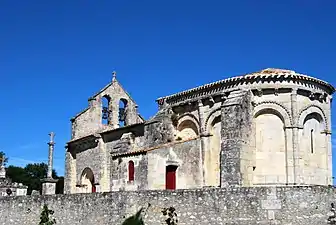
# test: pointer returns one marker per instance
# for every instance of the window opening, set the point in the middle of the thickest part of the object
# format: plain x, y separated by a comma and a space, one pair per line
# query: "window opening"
130, 171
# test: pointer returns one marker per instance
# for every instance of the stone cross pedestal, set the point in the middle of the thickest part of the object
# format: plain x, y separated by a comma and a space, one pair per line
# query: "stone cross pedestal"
2, 168
49, 183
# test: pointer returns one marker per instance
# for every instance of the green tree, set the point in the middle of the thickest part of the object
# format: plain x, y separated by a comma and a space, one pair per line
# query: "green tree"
32, 174
17, 174
45, 216
2, 154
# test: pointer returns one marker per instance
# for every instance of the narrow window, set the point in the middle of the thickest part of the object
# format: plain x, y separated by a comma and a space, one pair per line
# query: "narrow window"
106, 110
122, 112
312, 141
171, 177
130, 171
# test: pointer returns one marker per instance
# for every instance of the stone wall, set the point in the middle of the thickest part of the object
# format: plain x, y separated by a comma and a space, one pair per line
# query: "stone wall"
239, 206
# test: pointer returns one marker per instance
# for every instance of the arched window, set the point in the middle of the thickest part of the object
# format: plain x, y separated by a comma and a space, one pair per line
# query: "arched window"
106, 110
130, 171
312, 140
122, 112
187, 129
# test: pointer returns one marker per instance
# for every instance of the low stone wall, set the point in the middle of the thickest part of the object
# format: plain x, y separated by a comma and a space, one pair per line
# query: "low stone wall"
239, 206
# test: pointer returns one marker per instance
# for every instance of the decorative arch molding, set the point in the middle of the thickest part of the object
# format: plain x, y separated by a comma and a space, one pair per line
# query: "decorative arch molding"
276, 108
312, 109
188, 116
212, 115
86, 169
172, 158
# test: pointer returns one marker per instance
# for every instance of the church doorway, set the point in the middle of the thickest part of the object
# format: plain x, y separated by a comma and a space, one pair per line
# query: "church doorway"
171, 177
88, 181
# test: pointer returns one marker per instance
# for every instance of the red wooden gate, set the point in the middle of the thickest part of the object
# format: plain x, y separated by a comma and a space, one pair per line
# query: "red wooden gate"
171, 177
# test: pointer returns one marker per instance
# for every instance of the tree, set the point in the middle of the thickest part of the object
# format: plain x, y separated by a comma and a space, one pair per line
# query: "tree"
17, 174
45, 216
2, 154
32, 174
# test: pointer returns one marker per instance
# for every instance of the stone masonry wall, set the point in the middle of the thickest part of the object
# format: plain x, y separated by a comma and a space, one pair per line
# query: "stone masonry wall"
239, 206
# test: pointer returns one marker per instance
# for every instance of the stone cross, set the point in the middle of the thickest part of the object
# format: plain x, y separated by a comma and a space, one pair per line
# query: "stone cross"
114, 75
50, 157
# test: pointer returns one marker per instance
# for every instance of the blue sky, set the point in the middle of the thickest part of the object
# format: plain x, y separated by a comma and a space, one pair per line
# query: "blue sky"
55, 54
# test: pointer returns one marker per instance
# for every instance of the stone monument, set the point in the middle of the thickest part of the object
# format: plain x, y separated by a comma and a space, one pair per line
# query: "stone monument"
49, 183
7, 187
2, 169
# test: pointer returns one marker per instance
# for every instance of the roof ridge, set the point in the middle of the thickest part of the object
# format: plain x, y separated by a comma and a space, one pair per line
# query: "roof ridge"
266, 72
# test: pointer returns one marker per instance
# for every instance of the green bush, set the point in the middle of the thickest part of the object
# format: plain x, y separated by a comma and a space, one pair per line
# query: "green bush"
44, 218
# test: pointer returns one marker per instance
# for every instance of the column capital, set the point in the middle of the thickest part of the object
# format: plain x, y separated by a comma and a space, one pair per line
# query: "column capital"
294, 91
199, 102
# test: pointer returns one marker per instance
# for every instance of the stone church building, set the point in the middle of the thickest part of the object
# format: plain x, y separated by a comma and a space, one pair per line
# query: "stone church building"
271, 127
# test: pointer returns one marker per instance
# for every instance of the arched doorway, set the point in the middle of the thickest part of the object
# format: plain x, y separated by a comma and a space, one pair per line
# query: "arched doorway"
87, 180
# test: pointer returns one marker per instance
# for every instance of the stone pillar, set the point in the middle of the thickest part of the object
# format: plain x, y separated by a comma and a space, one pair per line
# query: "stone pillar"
49, 184
70, 171
51, 154
289, 155
296, 156
329, 180
202, 135
329, 143
2, 168
104, 182
236, 129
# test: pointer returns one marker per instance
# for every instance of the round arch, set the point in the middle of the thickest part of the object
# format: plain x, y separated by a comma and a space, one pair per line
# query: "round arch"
315, 112
188, 118
187, 127
273, 108
87, 178
211, 117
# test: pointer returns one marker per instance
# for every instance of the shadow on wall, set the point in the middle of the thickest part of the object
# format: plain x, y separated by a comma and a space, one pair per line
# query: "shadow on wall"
169, 213
46, 217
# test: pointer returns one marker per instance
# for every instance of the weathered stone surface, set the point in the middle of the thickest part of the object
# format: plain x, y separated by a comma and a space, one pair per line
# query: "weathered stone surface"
272, 127
239, 206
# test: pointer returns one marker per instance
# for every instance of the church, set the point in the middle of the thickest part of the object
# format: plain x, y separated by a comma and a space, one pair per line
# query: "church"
266, 128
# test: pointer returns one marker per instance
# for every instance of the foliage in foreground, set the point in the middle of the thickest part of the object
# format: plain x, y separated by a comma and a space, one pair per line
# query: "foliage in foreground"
44, 218
135, 219
169, 213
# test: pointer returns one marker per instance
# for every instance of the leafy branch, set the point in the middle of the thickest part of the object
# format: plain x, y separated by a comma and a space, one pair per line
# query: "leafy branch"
44, 218
171, 215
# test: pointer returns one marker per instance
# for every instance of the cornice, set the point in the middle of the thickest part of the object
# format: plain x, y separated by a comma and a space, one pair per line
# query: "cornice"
266, 76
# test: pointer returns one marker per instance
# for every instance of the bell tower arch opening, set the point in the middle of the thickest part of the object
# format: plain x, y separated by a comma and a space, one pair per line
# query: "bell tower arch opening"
106, 119
123, 112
